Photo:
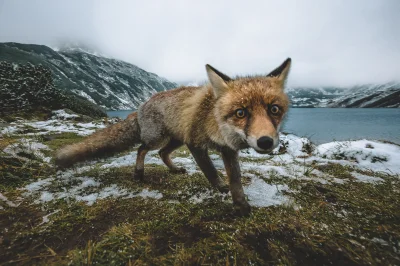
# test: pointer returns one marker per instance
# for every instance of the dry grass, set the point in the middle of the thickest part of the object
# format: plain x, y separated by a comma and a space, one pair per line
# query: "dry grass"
352, 223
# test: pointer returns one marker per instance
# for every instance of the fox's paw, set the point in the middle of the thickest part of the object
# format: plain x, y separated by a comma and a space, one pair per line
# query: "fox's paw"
138, 174
242, 209
223, 188
178, 170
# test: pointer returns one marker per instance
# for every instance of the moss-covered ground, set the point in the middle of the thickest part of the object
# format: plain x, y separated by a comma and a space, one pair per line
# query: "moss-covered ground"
323, 223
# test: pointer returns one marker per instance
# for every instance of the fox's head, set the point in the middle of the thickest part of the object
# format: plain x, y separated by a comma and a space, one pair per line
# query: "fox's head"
249, 110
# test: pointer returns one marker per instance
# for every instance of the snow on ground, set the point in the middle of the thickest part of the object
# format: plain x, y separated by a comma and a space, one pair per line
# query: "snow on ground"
45, 219
293, 144
83, 189
294, 158
27, 146
366, 154
52, 126
60, 122
261, 194
200, 197
63, 115
367, 178
7, 201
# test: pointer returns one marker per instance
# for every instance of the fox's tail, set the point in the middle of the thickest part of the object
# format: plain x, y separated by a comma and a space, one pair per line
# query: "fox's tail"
116, 138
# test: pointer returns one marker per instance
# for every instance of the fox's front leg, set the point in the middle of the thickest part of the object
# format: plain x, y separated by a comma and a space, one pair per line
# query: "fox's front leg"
204, 162
232, 167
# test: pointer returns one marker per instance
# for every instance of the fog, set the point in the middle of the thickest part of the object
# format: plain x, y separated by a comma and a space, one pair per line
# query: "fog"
332, 43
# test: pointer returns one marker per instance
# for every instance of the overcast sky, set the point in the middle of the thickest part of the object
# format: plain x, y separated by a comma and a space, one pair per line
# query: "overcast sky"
339, 43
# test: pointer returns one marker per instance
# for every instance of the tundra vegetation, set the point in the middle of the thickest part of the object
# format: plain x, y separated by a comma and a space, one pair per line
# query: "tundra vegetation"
335, 203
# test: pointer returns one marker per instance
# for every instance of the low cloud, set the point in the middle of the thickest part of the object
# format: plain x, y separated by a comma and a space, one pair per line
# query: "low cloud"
337, 43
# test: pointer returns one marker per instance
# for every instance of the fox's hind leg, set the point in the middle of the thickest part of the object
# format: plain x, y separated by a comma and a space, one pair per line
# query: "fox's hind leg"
165, 153
139, 167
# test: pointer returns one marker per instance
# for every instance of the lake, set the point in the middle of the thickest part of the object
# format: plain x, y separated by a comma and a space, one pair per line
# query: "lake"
323, 125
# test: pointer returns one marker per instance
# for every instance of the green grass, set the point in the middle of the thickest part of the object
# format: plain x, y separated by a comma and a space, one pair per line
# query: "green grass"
324, 224
56, 141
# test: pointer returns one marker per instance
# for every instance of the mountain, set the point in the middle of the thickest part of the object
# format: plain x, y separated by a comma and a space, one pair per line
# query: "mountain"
29, 91
313, 97
367, 96
361, 96
117, 85
110, 83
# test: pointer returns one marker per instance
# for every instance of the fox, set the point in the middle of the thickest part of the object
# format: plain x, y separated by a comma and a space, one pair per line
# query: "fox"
226, 115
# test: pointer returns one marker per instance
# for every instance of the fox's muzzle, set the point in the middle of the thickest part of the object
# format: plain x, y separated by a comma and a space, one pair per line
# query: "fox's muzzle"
265, 143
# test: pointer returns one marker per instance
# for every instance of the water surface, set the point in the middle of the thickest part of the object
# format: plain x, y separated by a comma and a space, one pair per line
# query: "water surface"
323, 125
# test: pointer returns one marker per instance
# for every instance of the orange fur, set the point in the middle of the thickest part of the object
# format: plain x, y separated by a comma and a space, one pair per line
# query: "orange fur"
202, 118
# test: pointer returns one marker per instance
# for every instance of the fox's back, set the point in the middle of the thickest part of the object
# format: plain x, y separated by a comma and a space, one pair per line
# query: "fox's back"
163, 112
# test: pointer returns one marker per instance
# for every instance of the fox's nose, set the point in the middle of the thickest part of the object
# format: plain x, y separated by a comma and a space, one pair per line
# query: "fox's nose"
265, 143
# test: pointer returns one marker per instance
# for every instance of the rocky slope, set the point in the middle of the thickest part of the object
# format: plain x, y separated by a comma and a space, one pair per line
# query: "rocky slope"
27, 90
110, 83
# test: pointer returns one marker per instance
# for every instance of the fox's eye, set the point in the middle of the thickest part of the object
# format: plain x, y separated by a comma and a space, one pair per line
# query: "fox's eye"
274, 109
240, 113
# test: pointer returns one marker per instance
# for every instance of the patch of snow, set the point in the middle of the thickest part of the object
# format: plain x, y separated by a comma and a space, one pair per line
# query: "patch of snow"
61, 114
89, 182
8, 202
116, 192
38, 185
283, 158
46, 196
45, 219
130, 159
201, 197
44, 191
251, 153
371, 155
9, 130
145, 193
264, 170
366, 178
188, 163
54, 126
113, 191
87, 96
339, 181
261, 194
27, 146
88, 199
215, 156
380, 241
294, 144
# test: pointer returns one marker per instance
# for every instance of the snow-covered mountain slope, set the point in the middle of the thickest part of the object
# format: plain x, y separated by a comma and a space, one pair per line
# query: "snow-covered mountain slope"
110, 83
362, 96
313, 97
384, 95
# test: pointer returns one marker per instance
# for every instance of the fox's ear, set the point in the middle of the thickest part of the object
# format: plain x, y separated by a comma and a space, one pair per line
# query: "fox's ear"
218, 80
282, 71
